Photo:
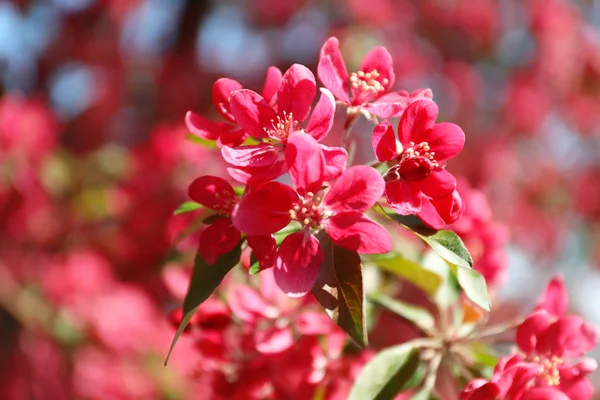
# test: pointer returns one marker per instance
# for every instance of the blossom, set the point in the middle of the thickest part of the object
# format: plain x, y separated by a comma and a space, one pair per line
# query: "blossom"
228, 133
222, 236
416, 182
368, 88
272, 124
339, 212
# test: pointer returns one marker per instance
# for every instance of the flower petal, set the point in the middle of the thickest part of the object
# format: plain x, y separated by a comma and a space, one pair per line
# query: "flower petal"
265, 210
430, 215
251, 112
440, 183
271, 86
417, 121
555, 299
248, 305
384, 141
336, 159
443, 211
273, 340
217, 239
403, 198
356, 232
357, 190
533, 326
569, 335
446, 140
296, 92
221, 90
332, 70
213, 192
257, 175
259, 155
306, 162
232, 138
297, 265
384, 109
205, 128
321, 119
380, 59
264, 248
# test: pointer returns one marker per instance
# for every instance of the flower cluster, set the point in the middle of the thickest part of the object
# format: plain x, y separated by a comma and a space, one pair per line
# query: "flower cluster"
276, 133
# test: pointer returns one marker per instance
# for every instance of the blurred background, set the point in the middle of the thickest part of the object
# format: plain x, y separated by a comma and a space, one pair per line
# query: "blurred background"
94, 156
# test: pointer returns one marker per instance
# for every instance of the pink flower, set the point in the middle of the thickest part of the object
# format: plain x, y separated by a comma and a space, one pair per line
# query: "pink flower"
339, 212
368, 89
222, 236
228, 133
417, 183
272, 124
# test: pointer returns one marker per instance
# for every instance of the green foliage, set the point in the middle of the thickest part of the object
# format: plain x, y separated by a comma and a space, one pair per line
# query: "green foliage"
188, 206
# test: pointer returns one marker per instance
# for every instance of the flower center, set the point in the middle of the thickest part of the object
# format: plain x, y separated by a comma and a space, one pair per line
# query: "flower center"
227, 200
307, 211
282, 127
367, 86
549, 373
415, 163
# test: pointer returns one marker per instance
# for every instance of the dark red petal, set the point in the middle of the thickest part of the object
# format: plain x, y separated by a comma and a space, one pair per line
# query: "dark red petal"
264, 248
555, 299
251, 112
446, 140
384, 141
306, 162
217, 239
357, 189
213, 192
232, 138
380, 59
204, 128
417, 121
259, 155
403, 198
336, 159
297, 265
332, 70
321, 119
356, 232
265, 210
221, 91
271, 86
296, 92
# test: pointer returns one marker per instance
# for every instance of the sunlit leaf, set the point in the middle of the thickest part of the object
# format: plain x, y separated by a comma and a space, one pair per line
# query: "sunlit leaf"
419, 316
426, 280
205, 279
188, 206
474, 286
387, 374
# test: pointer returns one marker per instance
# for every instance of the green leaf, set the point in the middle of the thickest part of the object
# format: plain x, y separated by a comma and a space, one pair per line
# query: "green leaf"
473, 285
419, 316
211, 144
205, 279
188, 206
387, 374
426, 280
339, 289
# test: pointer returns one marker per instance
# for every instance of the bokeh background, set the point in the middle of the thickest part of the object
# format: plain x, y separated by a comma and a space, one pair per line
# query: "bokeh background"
94, 156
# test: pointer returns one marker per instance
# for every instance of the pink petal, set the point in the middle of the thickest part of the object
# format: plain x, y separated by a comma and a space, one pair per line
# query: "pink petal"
439, 183
430, 215
357, 189
251, 112
259, 155
313, 323
271, 84
204, 128
248, 305
570, 336
332, 70
403, 198
297, 265
384, 109
213, 192
357, 232
306, 162
232, 138
273, 340
443, 211
217, 239
321, 119
336, 159
417, 121
446, 140
380, 59
546, 393
528, 332
176, 279
264, 248
256, 175
265, 210
296, 92
221, 91
384, 141
555, 299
